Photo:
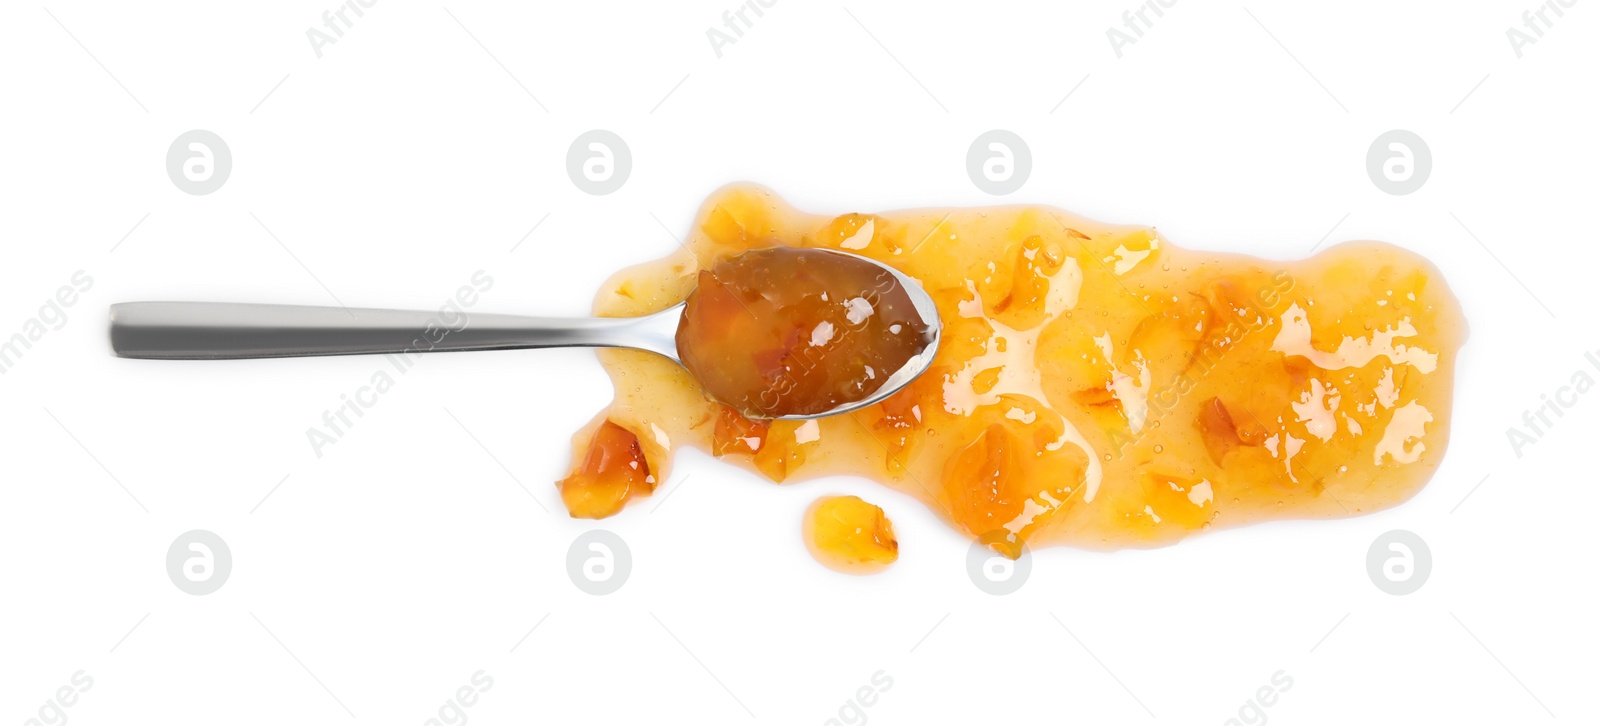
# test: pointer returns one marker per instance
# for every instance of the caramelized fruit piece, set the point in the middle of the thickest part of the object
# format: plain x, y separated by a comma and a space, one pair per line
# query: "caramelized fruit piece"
1172, 339
1217, 430
613, 471
782, 331
1101, 396
850, 535
977, 482
1037, 261
1013, 478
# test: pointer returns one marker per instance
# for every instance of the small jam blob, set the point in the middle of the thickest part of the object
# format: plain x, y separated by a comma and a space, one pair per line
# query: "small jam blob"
614, 470
1095, 385
850, 535
782, 331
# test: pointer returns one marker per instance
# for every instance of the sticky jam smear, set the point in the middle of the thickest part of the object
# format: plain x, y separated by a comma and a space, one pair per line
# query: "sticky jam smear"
1096, 386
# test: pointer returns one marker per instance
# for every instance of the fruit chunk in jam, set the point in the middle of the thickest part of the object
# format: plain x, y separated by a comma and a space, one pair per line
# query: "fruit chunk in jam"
1095, 385
850, 535
613, 471
784, 332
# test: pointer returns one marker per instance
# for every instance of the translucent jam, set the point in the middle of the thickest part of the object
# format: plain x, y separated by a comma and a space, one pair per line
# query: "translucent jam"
850, 535
1096, 386
785, 331
614, 470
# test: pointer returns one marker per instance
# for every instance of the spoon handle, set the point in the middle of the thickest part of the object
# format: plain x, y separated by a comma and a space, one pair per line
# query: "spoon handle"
210, 331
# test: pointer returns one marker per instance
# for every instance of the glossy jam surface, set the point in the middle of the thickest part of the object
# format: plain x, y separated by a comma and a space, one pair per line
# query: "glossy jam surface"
613, 471
1095, 385
785, 331
849, 534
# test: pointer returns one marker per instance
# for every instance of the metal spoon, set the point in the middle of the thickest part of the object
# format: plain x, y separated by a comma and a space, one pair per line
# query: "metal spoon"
216, 331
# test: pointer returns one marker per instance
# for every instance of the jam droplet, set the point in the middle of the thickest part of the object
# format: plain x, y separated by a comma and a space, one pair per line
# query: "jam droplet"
851, 535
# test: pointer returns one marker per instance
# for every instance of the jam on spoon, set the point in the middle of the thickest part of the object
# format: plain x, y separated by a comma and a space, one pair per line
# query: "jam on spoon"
782, 331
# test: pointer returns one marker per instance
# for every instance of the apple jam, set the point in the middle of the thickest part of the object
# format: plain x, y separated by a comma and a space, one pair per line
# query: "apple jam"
786, 331
1095, 385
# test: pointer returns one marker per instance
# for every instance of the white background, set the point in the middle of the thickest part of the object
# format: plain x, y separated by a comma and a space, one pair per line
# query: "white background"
373, 582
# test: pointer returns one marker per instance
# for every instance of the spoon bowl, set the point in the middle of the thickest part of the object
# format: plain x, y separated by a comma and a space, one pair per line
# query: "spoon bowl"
220, 331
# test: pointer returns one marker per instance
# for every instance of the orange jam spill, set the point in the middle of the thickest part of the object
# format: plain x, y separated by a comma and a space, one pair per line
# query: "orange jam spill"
1095, 386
